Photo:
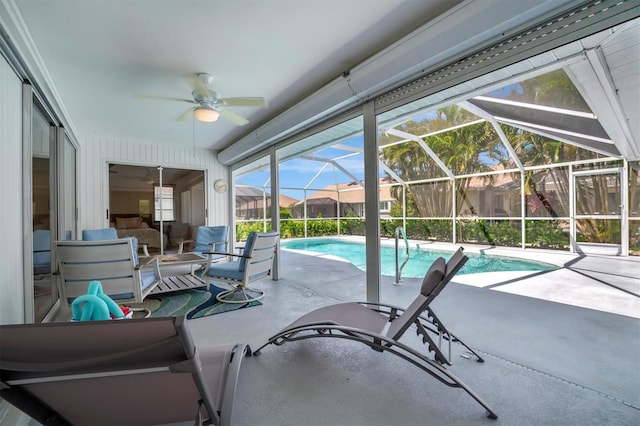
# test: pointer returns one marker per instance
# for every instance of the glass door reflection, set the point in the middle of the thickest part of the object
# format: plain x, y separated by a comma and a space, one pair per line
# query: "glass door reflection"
43, 137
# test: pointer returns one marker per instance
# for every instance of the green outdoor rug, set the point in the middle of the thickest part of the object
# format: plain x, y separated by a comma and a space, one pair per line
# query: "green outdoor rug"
192, 303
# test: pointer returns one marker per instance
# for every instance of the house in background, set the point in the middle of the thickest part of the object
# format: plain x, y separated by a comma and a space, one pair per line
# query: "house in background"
342, 200
254, 203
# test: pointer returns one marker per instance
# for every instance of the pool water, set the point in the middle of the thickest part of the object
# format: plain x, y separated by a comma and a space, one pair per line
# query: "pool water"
419, 259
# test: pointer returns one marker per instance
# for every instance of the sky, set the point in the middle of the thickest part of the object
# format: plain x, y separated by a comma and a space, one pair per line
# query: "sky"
300, 173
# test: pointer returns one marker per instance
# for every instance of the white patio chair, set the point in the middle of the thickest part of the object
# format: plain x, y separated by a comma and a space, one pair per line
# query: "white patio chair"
112, 262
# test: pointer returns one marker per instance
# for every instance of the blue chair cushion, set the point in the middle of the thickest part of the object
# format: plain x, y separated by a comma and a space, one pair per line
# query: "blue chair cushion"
209, 234
147, 278
134, 244
100, 234
109, 234
247, 249
226, 270
42, 251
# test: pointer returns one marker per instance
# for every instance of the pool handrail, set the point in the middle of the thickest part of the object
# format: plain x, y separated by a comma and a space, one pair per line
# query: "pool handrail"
400, 231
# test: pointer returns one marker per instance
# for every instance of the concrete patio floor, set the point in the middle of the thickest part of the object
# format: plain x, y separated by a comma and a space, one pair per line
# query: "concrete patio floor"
560, 347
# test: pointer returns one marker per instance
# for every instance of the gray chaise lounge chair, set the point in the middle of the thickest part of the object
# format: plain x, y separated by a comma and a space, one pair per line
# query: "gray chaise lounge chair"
118, 372
381, 326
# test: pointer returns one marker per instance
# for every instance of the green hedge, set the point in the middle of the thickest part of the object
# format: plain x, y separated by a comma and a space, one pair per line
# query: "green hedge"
546, 234
352, 227
499, 233
243, 229
539, 233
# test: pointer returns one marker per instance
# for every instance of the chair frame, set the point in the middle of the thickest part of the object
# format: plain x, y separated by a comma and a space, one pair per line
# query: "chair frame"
256, 265
112, 262
432, 362
210, 253
36, 374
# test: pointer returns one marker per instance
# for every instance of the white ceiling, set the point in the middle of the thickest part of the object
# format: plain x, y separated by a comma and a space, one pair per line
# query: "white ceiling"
96, 55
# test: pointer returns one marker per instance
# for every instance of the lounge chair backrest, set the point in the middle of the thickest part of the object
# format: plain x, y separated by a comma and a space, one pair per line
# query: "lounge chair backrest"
436, 279
433, 277
454, 264
108, 372
431, 281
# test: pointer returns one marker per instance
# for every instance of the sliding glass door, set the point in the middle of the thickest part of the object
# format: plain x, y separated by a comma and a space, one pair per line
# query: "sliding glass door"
160, 206
43, 139
53, 206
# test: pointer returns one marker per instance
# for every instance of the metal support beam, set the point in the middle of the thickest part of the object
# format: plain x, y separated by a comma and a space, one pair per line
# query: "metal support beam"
371, 202
424, 146
503, 138
335, 164
275, 211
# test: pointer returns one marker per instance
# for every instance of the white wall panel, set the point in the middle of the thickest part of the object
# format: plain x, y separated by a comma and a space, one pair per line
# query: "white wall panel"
96, 152
11, 209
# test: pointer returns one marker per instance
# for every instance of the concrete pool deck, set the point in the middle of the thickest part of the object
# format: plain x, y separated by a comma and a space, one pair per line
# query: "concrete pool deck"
546, 361
604, 283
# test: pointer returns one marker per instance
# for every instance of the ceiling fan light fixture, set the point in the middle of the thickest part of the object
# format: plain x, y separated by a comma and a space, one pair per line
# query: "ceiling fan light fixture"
206, 114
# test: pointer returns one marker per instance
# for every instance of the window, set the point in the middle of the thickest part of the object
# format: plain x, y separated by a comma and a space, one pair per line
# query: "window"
143, 208
163, 204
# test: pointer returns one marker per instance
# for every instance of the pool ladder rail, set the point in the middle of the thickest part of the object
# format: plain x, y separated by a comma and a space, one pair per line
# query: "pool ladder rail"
400, 231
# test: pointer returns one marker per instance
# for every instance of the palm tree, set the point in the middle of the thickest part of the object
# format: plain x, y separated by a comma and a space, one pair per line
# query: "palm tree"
552, 89
556, 89
460, 149
470, 149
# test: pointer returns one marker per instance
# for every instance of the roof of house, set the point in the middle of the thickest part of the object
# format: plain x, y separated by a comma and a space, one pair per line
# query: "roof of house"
495, 180
253, 196
350, 192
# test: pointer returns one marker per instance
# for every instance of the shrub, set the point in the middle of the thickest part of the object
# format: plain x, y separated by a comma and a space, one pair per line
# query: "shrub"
352, 226
501, 233
243, 229
546, 234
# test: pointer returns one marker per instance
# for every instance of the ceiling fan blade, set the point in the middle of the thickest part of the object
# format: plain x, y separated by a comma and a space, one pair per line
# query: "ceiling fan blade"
244, 102
165, 98
185, 115
198, 86
233, 117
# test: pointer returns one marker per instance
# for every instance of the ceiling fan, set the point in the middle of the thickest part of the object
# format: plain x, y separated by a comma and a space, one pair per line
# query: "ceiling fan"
210, 106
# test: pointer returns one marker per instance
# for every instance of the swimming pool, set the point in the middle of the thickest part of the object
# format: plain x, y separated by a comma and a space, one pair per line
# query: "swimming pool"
419, 259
